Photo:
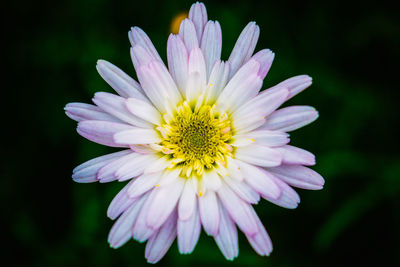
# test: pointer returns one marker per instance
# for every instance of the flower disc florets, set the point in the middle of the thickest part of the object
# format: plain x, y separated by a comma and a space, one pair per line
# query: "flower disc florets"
197, 138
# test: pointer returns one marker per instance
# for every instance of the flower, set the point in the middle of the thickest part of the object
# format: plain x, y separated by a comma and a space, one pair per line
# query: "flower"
202, 143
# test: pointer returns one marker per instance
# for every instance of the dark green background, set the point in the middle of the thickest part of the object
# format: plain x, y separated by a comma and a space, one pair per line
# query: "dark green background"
350, 48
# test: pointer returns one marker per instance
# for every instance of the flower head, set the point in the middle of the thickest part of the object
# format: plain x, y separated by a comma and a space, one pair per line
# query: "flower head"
202, 144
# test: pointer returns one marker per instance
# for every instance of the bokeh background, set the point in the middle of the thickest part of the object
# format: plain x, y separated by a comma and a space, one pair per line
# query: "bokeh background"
350, 48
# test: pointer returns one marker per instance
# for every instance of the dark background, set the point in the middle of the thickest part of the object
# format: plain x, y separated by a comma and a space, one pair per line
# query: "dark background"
350, 48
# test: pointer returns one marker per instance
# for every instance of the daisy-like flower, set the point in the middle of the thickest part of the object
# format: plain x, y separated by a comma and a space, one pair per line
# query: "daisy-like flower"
201, 143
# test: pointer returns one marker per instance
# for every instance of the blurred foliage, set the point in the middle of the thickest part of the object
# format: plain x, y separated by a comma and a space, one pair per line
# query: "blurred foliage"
351, 51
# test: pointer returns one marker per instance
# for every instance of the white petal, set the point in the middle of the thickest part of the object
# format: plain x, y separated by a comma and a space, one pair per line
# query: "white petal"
198, 15
187, 202
115, 105
298, 176
211, 44
82, 112
217, 81
261, 241
189, 232
227, 238
196, 68
165, 200
188, 34
295, 155
259, 155
134, 167
138, 37
265, 58
211, 180
260, 180
239, 210
120, 202
295, 85
261, 137
106, 173
209, 214
160, 242
241, 189
122, 83
160, 164
137, 136
178, 61
140, 57
244, 47
143, 110
141, 232
288, 199
290, 118
142, 184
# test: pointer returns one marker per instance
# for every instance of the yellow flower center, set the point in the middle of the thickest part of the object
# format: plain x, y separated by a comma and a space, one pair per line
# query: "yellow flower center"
196, 138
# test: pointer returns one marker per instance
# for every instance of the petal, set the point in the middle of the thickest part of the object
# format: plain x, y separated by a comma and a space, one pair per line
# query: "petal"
137, 136
227, 238
211, 44
261, 137
298, 176
106, 173
239, 210
188, 34
241, 189
211, 180
141, 232
290, 118
134, 167
198, 14
120, 202
265, 58
288, 199
244, 47
161, 241
165, 200
178, 61
259, 155
189, 232
187, 202
140, 57
82, 112
295, 85
121, 231
142, 184
143, 110
296, 156
102, 132
124, 85
260, 180
261, 241
138, 37
217, 81
115, 105
209, 214
197, 69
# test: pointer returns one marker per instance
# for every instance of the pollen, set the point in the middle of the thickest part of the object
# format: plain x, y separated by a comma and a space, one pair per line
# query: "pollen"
196, 138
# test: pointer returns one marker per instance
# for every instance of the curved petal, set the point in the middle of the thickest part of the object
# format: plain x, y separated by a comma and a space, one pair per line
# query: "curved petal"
227, 238
189, 232
209, 214
298, 176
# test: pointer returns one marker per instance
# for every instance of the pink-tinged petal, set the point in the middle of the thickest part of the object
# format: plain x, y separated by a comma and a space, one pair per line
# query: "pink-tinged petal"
259, 155
249, 122
265, 57
261, 105
198, 14
298, 176
140, 57
211, 180
244, 47
137, 136
187, 202
197, 75
261, 137
159, 86
209, 214
244, 85
292, 155
261, 241
82, 112
239, 210
165, 200
227, 238
178, 61
241, 189
234, 169
106, 173
295, 85
290, 118
122, 83
217, 81
142, 184
86, 172
140, 231
188, 34
260, 180
121, 231
188, 232
138, 37
162, 240
211, 44
288, 199
102, 132
115, 105
143, 110
134, 167
142, 149
120, 202
159, 164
